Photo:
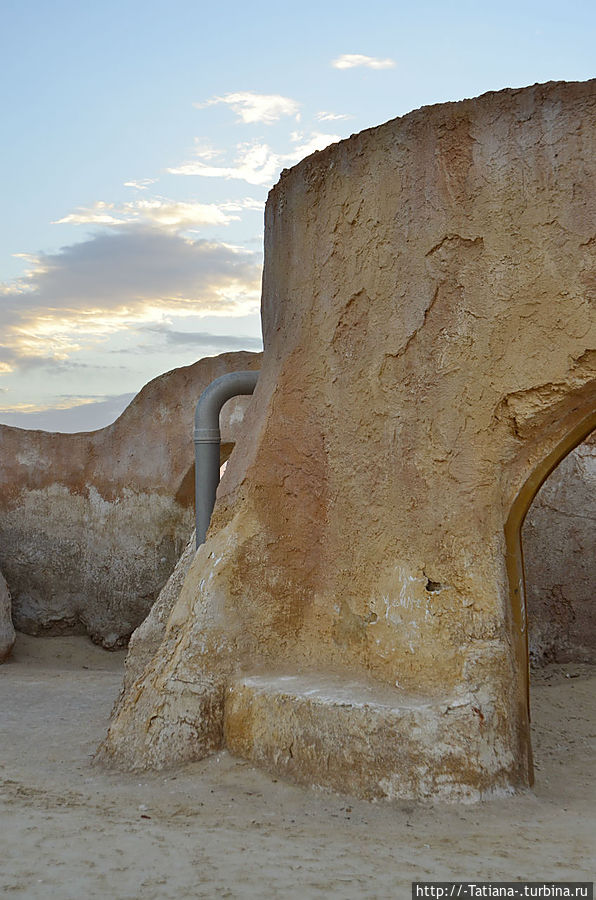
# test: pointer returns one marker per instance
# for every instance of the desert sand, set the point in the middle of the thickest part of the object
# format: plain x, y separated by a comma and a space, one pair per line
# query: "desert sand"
220, 828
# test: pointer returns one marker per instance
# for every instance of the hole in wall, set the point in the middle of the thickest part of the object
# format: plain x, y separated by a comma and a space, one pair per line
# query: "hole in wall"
432, 586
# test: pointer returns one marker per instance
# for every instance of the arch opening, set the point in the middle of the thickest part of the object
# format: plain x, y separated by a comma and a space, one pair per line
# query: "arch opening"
516, 571
559, 547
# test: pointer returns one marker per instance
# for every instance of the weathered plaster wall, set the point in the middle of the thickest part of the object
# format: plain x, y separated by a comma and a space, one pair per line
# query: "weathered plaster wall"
428, 341
145, 641
7, 633
559, 539
92, 524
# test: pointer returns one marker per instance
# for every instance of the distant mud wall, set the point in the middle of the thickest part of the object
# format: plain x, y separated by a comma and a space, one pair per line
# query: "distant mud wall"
92, 524
559, 540
7, 633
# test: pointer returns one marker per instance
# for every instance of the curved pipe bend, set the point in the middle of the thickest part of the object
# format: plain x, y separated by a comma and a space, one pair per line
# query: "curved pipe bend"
207, 440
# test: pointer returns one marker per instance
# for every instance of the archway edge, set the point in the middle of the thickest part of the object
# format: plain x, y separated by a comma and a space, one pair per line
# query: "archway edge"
514, 558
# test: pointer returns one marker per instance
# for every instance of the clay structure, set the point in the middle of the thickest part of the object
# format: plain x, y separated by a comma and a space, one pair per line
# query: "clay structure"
559, 543
7, 632
355, 586
356, 618
92, 524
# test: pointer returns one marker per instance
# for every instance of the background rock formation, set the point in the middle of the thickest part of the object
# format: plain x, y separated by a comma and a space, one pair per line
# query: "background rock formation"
92, 524
429, 344
7, 633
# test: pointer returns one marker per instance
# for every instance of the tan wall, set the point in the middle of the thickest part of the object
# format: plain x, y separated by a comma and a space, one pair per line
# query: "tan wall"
92, 524
7, 633
429, 341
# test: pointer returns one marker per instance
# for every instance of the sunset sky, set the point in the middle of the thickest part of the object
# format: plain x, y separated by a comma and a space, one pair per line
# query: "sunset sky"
140, 140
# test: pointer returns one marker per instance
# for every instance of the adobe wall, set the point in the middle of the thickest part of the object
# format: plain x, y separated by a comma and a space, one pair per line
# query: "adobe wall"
559, 541
428, 342
92, 524
7, 632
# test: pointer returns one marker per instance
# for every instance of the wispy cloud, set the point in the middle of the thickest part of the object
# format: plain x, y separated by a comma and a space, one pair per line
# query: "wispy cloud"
331, 117
254, 163
69, 414
115, 280
257, 163
205, 150
308, 143
352, 60
64, 401
251, 107
203, 338
14, 357
158, 211
140, 185
246, 203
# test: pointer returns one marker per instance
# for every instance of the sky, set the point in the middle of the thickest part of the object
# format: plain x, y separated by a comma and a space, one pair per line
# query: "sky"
140, 140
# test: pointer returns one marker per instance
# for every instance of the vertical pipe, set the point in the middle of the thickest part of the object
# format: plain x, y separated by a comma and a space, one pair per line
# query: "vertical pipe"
207, 456
207, 440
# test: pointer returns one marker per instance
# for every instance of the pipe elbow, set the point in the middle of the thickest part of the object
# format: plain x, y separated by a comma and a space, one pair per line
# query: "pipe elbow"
207, 441
213, 398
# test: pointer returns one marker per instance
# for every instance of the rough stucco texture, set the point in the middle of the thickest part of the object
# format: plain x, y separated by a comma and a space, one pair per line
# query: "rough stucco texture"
559, 538
92, 524
145, 641
428, 341
7, 633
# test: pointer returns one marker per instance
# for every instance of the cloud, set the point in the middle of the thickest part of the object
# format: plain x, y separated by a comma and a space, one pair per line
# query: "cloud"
173, 214
74, 298
307, 144
49, 364
220, 342
12, 359
331, 117
73, 413
352, 60
251, 107
205, 150
140, 185
256, 163
246, 203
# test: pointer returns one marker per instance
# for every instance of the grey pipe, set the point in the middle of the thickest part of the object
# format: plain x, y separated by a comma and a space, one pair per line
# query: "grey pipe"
207, 440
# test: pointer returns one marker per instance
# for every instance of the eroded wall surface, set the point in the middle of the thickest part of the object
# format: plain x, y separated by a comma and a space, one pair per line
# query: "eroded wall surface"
92, 524
428, 342
7, 632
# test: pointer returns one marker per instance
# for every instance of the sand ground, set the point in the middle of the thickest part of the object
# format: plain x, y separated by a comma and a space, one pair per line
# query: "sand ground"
220, 828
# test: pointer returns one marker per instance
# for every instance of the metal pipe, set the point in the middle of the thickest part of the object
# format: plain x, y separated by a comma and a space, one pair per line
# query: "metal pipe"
207, 439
